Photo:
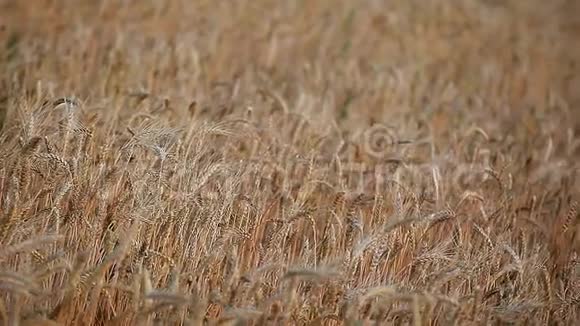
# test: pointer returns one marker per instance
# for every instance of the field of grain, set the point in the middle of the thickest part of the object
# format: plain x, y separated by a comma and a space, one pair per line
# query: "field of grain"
262, 162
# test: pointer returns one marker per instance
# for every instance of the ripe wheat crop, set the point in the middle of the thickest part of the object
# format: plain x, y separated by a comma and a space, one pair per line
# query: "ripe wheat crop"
261, 162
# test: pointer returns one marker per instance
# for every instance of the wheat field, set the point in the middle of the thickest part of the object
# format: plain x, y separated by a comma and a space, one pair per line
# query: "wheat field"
262, 162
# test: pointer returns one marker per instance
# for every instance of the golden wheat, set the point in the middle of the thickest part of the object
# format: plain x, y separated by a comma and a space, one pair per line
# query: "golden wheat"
289, 163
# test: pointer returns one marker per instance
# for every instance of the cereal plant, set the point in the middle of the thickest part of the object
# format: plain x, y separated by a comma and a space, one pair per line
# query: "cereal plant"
266, 162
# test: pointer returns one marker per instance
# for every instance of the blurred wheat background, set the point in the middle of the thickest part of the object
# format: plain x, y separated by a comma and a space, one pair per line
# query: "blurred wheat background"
207, 162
